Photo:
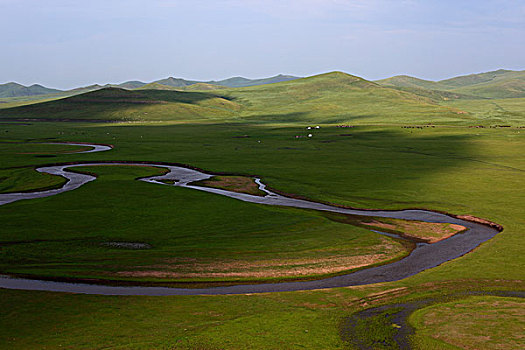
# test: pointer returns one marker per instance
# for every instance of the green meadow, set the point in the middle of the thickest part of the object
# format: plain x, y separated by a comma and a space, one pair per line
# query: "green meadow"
474, 322
404, 151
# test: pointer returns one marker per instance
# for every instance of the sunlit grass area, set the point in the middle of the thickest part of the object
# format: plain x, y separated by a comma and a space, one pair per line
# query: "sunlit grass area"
487, 322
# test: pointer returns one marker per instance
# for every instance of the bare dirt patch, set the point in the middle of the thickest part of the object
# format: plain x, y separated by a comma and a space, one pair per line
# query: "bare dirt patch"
414, 230
240, 184
429, 232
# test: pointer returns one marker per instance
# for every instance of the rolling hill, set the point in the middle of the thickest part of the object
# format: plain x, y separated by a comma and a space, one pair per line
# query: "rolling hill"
480, 78
175, 82
336, 97
18, 90
244, 82
116, 104
327, 98
133, 84
496, 84
511, 86
233, 82
11, 90
411, 82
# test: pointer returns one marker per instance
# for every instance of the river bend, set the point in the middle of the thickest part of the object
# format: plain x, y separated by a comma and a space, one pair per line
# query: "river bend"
424, 257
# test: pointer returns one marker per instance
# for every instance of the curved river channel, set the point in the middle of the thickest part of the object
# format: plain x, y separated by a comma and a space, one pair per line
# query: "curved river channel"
424, 256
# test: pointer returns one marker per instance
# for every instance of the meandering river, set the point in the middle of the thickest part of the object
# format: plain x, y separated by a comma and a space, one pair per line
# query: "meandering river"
425, 256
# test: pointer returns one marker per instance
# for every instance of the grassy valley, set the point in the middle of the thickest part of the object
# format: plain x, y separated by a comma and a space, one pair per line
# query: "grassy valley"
414, 146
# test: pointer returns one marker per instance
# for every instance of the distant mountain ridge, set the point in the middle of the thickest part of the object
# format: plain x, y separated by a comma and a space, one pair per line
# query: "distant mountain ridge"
16, 90
233, 82
244, 82
501, 83
334, 97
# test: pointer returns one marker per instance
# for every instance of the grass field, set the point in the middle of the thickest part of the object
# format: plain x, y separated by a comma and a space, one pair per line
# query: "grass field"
452, 168
474, 323
192, 236
507, 111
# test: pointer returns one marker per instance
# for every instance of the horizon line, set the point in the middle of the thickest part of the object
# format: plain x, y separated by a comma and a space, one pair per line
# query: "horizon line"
271, 76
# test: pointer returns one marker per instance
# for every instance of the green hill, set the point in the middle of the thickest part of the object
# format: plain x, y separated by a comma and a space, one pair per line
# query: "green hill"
175, 82
479, 78
437, 95
410, 82
234, 82
202, 87
336, 98
192, 87
327, 98
510, 87
496, 84
115, 104
15, 94
158, 86
244, 82
133, 84
18, 90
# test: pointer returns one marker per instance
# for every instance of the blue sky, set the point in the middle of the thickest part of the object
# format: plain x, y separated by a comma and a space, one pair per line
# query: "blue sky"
67, 43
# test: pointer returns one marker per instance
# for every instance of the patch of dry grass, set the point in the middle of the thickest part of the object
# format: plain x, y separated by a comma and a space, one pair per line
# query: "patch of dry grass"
430, 232
240, 184
486, 322
247, 268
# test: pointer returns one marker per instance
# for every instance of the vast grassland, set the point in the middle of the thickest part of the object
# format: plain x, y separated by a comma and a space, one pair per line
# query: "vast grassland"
453, 168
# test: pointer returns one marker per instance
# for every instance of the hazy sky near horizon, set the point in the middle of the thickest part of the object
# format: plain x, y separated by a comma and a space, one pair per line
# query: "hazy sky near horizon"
67, 43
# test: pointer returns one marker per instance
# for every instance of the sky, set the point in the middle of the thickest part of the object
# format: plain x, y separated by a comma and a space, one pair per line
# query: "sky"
67, 43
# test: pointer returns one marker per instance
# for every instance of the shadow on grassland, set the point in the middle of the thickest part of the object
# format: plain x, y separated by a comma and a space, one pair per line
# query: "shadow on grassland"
107, 104
367, 162
315, 117
305, 117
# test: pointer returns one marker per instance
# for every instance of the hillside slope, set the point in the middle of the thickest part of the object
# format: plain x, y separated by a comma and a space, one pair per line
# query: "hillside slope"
498, 88
327, 98
411, 82
337, 97
132, 84
480, 78
233, 82
115, 104
244, 82
18, 90
496, 84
